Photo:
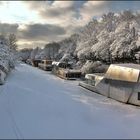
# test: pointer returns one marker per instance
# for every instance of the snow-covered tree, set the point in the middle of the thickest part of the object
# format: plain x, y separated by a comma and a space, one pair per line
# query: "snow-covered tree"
25, 53
34, 53
6, 58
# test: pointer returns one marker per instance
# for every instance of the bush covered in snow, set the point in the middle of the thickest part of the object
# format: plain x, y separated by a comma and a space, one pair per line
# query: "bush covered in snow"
7, 57
94, 67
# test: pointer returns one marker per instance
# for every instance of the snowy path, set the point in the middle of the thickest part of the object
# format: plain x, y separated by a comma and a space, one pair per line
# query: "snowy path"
36, 104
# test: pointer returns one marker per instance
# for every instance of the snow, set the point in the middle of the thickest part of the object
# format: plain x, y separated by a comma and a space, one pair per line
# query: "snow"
37, 104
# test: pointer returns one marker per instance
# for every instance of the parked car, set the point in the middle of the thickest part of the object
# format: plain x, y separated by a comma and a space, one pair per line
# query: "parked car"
45, 65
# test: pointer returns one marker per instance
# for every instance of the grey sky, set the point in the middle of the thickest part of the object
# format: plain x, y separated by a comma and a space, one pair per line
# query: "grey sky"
40, 22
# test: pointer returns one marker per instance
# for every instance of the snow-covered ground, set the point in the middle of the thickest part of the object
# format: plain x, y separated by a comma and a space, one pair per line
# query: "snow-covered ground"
37, 104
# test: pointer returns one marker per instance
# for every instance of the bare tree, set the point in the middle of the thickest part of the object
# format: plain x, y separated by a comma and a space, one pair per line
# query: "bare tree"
12, 41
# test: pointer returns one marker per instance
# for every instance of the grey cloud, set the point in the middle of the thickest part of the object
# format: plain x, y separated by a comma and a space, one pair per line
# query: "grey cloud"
34, 32
95, 9
73, 29
41, 32
51, 13
35, 5
8, 28
32, 45
58, 12
46, 9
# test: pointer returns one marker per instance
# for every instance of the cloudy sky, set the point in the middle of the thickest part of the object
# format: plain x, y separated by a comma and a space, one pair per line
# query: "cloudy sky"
38, 22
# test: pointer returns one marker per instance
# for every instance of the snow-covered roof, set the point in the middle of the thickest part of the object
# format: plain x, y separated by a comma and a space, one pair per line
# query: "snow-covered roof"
71, 71
96, 77
55, 63
92, 76
129, 65
123, 72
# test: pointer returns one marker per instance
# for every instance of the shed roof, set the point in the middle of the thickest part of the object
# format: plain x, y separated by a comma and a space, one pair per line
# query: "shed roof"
123, 72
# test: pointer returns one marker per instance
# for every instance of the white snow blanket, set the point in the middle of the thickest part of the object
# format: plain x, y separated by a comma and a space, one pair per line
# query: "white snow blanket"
35, 104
